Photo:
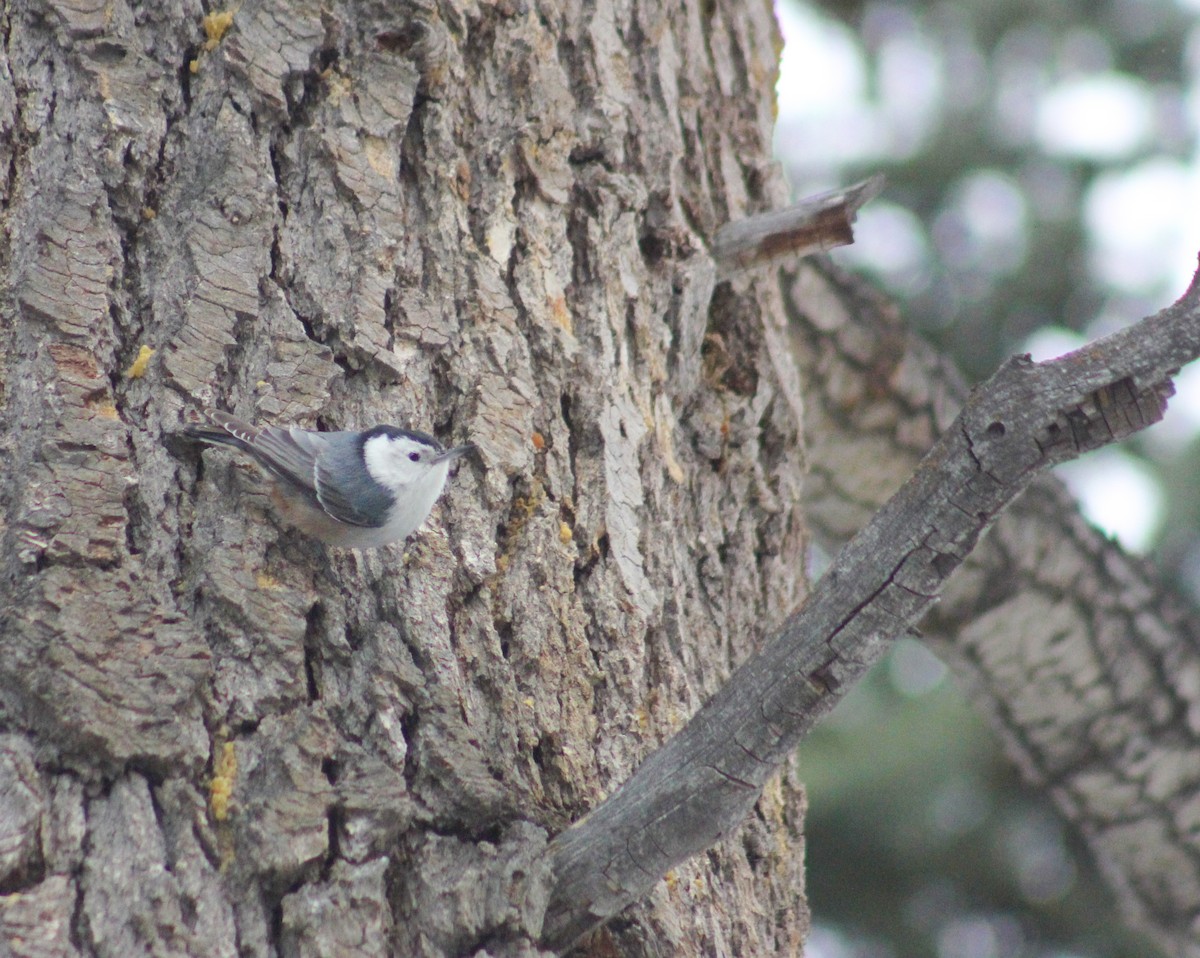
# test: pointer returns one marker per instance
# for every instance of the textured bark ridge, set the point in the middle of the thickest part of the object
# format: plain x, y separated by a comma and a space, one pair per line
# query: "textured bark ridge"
488, 221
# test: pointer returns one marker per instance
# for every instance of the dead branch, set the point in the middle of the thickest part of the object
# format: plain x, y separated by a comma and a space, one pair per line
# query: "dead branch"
814, 225
1081, 657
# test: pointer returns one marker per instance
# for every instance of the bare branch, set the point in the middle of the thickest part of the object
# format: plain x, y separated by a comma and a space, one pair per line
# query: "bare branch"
1082, 657
814, 225
702, 783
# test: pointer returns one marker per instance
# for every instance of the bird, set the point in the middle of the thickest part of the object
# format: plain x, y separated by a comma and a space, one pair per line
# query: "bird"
356, 490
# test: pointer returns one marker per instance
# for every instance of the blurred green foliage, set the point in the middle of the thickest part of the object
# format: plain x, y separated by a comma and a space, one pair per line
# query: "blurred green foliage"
1008, 210
977, 76
921, 842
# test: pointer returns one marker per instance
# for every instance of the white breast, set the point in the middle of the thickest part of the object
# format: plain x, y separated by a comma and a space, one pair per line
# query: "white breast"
414, 500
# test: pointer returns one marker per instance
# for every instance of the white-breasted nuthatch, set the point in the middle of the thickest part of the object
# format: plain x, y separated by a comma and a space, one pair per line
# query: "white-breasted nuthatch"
356, 490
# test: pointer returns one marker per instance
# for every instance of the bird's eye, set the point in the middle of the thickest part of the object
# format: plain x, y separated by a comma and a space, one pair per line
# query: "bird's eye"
414, 457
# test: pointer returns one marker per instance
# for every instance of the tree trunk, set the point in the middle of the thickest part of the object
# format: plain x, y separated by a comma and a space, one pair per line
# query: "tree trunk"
487, 221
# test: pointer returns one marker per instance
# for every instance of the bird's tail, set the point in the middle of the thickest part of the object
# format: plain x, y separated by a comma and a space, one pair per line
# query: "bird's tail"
221, 429
201, 433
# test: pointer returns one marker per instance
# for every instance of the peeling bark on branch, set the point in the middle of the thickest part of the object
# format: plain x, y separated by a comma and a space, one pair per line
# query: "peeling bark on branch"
702, 783
1085, 663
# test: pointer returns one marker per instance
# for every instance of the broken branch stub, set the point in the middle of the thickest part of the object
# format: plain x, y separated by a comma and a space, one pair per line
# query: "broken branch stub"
814, 225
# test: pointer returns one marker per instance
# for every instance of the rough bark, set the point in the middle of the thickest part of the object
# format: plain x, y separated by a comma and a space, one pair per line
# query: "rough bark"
489, 221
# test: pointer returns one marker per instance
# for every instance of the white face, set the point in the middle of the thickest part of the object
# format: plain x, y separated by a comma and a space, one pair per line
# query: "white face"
400, 462
415, 472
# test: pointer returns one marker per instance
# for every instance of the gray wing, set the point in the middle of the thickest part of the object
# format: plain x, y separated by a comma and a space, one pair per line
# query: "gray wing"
323, 467
343, 487
327, 468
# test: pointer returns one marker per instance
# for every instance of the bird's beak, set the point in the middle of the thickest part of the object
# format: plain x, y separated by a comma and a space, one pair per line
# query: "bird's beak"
450, 455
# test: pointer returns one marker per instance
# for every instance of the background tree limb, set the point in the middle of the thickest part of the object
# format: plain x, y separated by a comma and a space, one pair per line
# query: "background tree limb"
1083, 661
